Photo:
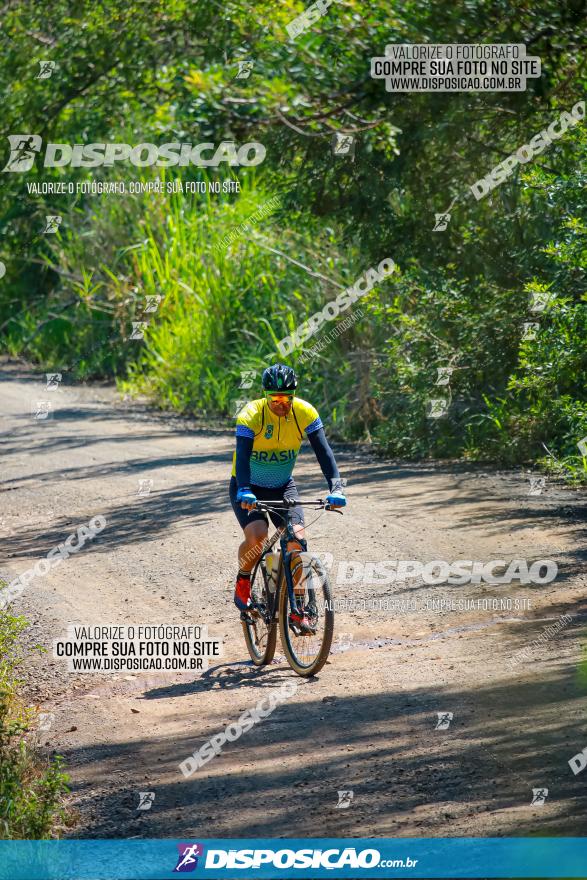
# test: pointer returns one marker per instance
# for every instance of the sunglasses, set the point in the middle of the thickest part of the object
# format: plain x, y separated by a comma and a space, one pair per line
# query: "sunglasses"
280, 398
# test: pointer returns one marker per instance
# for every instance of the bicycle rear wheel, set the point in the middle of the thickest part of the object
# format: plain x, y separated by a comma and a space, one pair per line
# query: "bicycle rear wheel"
307, 647
259, 629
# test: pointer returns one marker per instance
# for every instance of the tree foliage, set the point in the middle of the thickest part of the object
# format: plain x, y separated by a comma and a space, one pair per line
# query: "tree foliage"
158, 71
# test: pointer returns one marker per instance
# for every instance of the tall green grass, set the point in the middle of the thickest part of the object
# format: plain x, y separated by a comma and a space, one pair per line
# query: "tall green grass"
223, 309
31, 788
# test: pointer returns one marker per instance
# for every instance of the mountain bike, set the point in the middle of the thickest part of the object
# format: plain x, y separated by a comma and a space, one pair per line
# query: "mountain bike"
294, 594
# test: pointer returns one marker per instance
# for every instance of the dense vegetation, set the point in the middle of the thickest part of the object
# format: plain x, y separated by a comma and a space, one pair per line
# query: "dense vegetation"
159, 72
31, 788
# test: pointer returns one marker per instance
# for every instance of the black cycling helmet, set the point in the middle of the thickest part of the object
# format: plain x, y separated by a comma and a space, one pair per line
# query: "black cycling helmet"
279, 377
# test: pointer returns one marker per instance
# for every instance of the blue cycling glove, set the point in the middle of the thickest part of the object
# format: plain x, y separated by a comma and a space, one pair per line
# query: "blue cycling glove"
337, 499
245, 495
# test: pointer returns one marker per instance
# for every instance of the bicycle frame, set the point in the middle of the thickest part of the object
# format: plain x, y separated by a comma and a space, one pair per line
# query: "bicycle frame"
285, 534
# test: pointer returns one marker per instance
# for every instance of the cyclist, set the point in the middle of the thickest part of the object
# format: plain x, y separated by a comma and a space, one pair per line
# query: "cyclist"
269, 433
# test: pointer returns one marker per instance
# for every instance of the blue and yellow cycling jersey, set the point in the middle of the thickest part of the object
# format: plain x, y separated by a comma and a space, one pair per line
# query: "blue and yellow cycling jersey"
276, 439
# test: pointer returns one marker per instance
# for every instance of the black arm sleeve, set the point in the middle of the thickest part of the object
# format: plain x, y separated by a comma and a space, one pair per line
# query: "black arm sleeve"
244, 447
326, 459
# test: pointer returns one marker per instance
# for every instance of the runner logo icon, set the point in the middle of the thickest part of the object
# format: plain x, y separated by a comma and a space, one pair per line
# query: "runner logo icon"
23, 149
188, 857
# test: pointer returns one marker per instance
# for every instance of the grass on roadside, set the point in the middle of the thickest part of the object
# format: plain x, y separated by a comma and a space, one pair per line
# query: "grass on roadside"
31, 787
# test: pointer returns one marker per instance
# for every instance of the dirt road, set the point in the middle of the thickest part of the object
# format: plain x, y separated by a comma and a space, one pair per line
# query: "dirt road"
369, 724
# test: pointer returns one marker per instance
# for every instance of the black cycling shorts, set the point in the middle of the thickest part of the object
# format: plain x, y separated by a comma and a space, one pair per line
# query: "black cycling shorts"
264, 494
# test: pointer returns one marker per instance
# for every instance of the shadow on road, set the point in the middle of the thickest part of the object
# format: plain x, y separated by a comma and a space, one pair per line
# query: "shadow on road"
504, 740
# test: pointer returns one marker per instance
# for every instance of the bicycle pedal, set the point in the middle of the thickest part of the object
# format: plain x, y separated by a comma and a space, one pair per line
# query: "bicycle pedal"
302, 627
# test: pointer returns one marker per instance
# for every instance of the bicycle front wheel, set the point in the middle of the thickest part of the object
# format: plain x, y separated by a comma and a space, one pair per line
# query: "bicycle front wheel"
259, 629
306, 635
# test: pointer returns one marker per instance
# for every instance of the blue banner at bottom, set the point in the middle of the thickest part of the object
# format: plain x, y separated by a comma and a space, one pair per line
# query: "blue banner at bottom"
453, 858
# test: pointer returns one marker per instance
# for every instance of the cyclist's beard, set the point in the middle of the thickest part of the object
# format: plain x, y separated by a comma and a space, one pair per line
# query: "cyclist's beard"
280, 409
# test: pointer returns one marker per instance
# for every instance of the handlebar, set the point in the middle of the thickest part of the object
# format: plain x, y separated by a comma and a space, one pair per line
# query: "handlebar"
319, 503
